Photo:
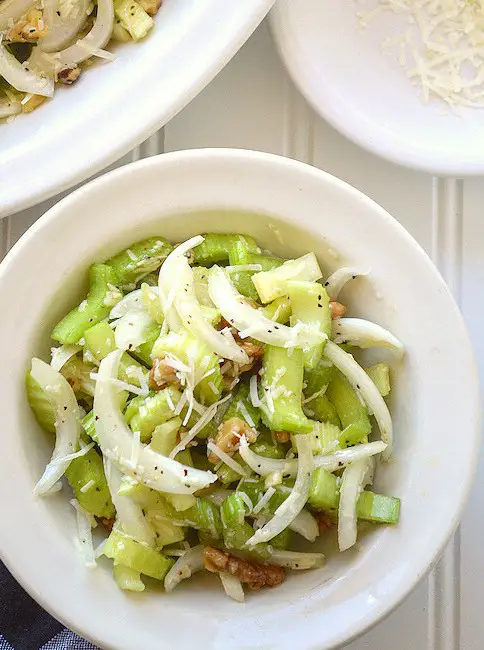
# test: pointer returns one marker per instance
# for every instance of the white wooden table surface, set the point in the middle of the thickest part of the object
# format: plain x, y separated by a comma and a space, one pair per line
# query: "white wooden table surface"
252, 104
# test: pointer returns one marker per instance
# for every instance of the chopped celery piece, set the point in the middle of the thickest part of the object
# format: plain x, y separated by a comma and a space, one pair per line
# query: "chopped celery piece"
325, 438
102, 296
282, 541
273, 284
143, 351
134, 405
181, 502
200, 281
282, 380
227, 475
380, 376
155, 410
318, 378
351, 411
236, 530
240, 407
86, 477
216, 247
78, 374
255, 490
279, 310
378, 508
196, 355
151, 302
141, 258
127, 579
130, 370
158, 514
241, 254
89, 425
310, 304
99, 340
164, 436
139, 557
321, 409
40, 404
265, 446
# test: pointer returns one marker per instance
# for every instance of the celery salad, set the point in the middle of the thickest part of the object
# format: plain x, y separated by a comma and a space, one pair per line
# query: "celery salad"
209, 414
47, 41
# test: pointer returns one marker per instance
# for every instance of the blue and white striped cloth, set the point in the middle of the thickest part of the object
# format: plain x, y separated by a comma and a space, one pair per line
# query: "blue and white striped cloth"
24, 625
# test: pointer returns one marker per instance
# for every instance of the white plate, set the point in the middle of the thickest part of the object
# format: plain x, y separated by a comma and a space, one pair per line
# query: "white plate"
290, 208
113, 107
366, 95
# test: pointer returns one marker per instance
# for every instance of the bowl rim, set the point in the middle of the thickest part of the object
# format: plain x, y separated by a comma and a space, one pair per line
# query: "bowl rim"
411, 577
122, 142
359, 130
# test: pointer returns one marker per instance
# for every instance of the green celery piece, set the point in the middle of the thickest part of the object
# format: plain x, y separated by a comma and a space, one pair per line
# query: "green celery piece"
99, 340
40, 404
279, 310
143, 351
89, 425
164, 436
81, 471
322, 410
134, 405
216, 246
139, 557
377, 508
256, 489
102, 297
282, 541
380, 376
154, 411
240, 254
192, 351
240, 399
140, 259
227, 475
151, 302
318, 378
325, 438
236, 530
133, 18
310, 304
283, 372
200, 281
127, 579
352, 413
202, 516
265, 446
181, 502
272, 284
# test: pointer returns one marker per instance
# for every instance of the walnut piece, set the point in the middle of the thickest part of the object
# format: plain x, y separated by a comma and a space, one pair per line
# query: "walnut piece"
229, 435
255, 575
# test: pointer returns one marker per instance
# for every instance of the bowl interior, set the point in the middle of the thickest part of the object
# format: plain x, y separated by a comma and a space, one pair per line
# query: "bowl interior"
290, 209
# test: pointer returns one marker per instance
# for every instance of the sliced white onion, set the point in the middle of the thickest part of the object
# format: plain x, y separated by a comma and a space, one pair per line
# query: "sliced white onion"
254, 393
129, 516
62, 354
295, 502
12, 10
7, 109
330, 462
168, 283
364, 334
190, 562
96, 39
252, 322
232, 587
77, 454
131, 302
339, 278
305, 525
116, 440
132, 330
362, 383
84, 533
296, 560
351, 486
192, 316
22, 79
63, 24
67, 423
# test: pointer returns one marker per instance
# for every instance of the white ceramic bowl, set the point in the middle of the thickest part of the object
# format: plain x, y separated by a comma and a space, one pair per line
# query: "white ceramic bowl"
365, 94
113, 107
291, 208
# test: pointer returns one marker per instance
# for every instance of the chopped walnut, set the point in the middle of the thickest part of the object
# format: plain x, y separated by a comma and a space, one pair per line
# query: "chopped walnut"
28, 29
324, 522
232, 370
69, 75
150, 6
229, 435
32, 103
162, 375
337, 309
108, 523
255, 575
282, 436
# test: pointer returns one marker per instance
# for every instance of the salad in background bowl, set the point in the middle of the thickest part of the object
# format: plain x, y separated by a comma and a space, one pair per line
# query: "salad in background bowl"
289, 216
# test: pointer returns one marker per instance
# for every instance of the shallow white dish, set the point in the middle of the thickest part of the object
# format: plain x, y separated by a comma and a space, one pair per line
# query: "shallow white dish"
291, 208
113, 107
366, 95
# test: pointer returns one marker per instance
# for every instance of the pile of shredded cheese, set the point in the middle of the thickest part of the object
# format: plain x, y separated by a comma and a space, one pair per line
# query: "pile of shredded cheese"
441, 47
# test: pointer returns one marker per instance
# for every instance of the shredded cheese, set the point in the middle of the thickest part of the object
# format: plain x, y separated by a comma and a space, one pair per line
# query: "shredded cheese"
228, 460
